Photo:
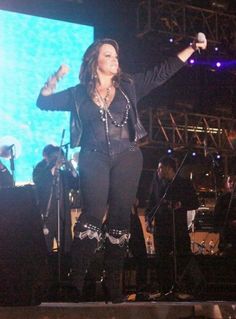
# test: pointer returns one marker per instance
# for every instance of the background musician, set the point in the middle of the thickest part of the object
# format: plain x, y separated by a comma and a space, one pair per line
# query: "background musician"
6, 179
170, 198
225, 217
54, 177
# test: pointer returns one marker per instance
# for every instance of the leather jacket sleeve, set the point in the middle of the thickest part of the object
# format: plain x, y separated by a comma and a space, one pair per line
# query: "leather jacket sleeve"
149, 80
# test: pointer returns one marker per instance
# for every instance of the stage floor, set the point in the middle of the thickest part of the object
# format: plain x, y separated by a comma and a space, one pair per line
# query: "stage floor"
129, 310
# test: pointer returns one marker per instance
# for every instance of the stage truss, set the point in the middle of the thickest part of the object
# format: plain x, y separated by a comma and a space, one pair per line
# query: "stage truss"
183, 130
184, 21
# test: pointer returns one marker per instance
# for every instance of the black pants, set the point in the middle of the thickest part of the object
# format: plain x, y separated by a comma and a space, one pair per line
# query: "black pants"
110, 181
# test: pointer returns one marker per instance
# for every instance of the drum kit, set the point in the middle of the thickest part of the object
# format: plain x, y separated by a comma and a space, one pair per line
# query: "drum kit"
204, 239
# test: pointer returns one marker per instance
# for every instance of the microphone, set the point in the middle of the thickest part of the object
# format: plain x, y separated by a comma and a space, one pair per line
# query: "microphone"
201, 38
45, 230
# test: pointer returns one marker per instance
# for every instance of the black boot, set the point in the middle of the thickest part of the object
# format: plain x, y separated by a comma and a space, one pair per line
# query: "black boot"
86, 240
115, 248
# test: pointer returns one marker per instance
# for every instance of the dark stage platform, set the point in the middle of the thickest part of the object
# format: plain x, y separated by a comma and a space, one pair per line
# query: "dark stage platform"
25, 266
139, 310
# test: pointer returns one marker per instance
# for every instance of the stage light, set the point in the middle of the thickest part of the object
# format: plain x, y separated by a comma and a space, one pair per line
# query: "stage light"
191, 61
194, 154
218, 64
171, 40
169, 150
216, 49
218, 156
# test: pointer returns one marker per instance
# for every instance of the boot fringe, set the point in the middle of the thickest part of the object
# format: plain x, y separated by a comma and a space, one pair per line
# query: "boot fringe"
121, 241
91, 232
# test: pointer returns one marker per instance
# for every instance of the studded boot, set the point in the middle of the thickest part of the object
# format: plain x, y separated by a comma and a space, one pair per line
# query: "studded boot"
115, 248
87, 238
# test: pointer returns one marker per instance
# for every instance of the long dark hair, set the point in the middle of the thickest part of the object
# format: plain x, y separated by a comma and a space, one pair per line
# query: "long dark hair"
88, 69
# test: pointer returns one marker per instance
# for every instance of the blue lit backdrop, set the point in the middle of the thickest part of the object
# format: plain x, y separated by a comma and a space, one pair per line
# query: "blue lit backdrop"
31, 48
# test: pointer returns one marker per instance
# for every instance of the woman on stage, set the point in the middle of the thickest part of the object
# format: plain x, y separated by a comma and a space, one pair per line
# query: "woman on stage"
105, 123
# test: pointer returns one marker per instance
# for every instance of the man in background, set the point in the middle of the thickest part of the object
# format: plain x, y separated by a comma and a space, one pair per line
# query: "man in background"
54, 177
170, 198
6, 179
225, 218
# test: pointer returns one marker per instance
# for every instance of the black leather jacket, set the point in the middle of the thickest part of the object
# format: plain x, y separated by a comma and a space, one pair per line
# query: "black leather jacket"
136, 88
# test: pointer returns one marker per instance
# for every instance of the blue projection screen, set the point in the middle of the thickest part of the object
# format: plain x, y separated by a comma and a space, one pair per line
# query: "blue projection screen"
31, 49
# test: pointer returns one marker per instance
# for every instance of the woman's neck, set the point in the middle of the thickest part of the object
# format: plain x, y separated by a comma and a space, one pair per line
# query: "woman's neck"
104, 83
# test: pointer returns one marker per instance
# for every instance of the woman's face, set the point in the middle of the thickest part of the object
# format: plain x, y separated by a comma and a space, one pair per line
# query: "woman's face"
107, 63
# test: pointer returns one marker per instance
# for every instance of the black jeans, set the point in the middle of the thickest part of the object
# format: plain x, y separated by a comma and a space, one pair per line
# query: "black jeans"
110, 182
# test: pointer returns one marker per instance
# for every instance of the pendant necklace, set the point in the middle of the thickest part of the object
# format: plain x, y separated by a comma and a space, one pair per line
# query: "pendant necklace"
104, 108
104, 111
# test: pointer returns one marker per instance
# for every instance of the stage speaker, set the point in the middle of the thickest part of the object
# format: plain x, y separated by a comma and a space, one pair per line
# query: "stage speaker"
23, 253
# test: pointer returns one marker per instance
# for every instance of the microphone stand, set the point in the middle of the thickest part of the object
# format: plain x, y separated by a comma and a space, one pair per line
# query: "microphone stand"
175, 272
59, 286
155, 209
12, 165
66, 148
214, 165
58, 198
56, 189
154, 212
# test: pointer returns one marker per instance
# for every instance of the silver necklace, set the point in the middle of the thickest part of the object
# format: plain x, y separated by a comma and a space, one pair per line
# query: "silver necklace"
104, 108
103, 102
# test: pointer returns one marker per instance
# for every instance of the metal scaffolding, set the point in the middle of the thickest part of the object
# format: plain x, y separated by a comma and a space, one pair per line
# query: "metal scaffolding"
180, 130
184, 21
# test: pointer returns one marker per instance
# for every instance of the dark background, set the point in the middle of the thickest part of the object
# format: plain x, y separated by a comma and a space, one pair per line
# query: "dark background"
199, 88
